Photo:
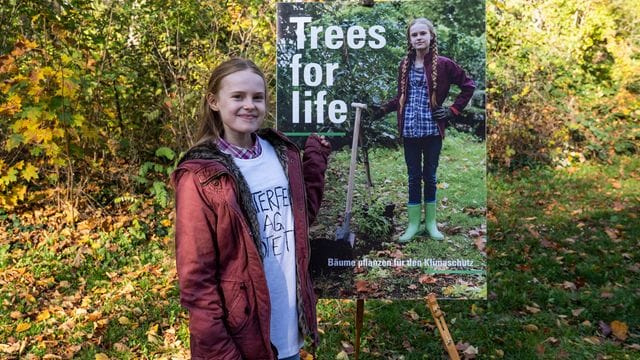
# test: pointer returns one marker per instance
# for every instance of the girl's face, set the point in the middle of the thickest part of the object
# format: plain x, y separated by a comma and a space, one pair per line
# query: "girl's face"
241, 103
420, 36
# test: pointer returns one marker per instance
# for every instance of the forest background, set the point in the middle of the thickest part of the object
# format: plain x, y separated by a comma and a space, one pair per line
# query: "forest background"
98, 98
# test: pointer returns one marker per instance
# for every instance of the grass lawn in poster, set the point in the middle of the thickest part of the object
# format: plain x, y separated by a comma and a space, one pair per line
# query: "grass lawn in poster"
333, 54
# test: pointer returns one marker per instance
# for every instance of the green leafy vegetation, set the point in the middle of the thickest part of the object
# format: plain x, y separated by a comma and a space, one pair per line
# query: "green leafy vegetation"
563, 79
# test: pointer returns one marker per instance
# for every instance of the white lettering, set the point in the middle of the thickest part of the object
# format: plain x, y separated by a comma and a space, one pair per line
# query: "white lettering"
300, 21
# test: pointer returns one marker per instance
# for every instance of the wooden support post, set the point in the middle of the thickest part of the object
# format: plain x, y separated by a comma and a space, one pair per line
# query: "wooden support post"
359, 321
438, 317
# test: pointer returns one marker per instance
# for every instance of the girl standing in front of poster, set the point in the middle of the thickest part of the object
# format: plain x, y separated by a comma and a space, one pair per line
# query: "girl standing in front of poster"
424, 80
244, 202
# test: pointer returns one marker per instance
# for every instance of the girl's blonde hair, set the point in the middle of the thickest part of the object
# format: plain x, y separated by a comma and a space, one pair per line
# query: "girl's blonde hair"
433, 48
211, 127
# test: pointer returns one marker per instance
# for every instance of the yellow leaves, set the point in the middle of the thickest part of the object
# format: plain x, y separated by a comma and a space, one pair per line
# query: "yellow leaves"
620, 330
12, 192
94, 316
9, 177
44, 315
77, 120
304, 355
22, 327
101, 356
13, 141
110, 113
15, 195
342, 355
48, 71
7, 65
7, 62
65, 59
127, 289
30, 172
26, 44
68, 88
152, 334
12, 105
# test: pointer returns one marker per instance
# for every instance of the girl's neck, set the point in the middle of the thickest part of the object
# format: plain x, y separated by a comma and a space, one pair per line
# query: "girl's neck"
420, 54
241, 140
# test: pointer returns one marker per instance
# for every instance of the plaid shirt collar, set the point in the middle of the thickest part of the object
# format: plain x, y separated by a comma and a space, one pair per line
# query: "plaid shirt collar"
240, 152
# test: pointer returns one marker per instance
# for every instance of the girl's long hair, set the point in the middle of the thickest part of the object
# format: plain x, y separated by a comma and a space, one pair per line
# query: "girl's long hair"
433, 49
211, 127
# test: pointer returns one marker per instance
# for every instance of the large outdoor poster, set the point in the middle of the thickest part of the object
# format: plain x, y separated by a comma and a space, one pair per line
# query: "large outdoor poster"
338, 70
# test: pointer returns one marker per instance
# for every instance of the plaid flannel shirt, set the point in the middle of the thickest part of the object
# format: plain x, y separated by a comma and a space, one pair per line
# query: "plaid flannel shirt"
240, 152
417, 116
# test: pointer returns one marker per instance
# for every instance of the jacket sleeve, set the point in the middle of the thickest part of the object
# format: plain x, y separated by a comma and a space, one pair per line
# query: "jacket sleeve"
314, 165
458, 76
197, 274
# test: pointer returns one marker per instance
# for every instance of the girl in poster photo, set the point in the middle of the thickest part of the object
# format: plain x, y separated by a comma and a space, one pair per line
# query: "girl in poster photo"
244, 202
424, 80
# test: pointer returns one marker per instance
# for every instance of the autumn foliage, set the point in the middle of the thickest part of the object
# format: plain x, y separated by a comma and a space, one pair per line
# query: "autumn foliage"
563, 81
85, 84
98, 99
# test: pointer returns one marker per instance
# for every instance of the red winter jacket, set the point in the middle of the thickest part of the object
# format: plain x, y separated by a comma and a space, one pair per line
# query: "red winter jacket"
220, 272
448, 72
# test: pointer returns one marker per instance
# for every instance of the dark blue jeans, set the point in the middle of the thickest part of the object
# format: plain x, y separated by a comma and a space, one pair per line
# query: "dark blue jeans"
421, 156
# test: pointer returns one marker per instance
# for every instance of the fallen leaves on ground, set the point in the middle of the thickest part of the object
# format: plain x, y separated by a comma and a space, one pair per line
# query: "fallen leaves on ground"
620, 330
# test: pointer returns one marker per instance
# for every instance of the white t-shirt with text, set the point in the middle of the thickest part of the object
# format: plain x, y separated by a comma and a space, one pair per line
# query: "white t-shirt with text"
270, 193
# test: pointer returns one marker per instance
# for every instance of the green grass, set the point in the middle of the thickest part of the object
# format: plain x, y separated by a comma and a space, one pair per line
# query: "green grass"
461, 209
562, 255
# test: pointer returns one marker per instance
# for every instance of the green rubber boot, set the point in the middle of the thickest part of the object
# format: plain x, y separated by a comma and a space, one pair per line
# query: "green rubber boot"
430, 222
415, 213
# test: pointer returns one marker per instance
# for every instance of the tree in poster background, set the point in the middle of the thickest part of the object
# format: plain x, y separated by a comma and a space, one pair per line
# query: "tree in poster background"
360, 70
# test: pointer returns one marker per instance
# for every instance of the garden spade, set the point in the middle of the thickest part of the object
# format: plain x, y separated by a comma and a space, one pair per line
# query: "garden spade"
344, 232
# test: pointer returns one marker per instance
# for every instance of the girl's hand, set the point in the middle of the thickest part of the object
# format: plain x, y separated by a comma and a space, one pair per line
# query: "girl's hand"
321, 139
442, 113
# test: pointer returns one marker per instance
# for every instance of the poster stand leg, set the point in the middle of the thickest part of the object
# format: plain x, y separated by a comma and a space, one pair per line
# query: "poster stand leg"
438, 317
436, 313
359, 320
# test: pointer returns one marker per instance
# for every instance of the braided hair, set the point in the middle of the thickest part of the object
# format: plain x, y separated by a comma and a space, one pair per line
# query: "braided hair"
433, 48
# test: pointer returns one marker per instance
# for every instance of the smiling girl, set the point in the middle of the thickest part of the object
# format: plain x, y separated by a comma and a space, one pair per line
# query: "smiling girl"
244, 202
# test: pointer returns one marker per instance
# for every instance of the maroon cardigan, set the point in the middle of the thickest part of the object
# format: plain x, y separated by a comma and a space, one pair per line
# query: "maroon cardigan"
448, 73
220, 272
